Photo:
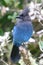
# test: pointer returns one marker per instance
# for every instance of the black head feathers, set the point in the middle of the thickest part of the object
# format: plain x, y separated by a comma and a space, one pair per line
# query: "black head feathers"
23, 13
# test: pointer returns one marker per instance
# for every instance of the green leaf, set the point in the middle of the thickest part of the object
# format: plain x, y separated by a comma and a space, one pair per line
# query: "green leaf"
14, 15
41, 44
1, 32
16, 4
10, 17
7, 1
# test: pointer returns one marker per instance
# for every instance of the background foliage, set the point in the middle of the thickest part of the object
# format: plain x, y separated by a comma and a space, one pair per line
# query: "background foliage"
8, 20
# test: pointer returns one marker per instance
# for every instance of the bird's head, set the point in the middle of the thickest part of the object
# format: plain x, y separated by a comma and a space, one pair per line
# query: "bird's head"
23, 13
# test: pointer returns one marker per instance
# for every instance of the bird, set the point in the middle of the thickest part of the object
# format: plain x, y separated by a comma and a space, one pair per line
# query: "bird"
22, 32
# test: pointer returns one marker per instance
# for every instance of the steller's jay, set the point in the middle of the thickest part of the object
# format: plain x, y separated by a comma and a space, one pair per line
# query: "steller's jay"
22, 32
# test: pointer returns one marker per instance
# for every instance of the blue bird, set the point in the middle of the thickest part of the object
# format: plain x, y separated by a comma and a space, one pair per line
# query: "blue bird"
22, 32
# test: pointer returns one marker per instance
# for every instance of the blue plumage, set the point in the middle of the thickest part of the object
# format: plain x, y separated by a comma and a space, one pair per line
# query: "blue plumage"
22, 32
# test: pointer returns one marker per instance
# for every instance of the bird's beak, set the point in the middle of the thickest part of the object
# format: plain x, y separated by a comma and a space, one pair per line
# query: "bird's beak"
18, 17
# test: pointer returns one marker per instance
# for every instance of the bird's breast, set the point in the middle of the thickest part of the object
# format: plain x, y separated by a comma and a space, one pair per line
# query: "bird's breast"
22, 32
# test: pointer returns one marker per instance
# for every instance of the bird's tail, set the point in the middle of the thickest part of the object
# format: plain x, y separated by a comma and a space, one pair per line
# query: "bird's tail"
15, 56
